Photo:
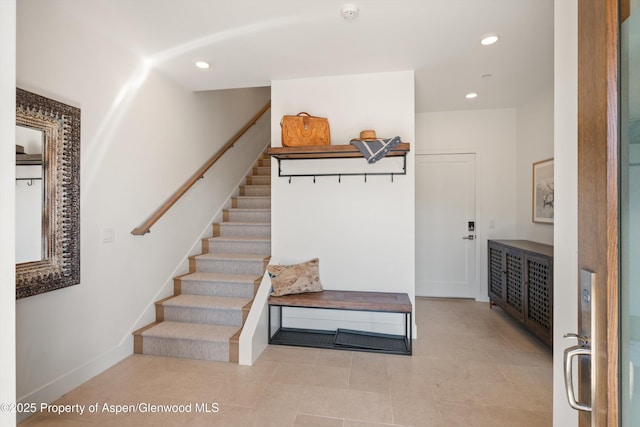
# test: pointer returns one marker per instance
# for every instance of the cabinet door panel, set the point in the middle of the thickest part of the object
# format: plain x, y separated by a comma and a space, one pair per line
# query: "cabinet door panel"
496, 273
539, 289
514, 283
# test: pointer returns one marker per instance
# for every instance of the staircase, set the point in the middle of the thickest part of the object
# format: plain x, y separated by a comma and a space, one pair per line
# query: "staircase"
204, 317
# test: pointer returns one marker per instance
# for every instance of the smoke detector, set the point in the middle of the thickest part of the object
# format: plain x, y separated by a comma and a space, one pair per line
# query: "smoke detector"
349, 12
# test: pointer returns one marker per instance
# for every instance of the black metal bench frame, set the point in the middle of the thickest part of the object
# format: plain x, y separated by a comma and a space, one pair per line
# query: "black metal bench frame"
341, 339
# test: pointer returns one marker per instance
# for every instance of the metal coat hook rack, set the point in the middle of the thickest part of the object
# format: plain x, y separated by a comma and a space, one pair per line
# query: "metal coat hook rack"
340, 175
30, 183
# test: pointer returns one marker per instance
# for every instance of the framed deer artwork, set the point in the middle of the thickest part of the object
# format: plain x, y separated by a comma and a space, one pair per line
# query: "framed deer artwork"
542, 194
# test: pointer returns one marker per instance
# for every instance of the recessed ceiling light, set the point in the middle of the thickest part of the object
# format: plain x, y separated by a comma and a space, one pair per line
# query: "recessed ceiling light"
490, 39
487, 76
203, 65
471, 95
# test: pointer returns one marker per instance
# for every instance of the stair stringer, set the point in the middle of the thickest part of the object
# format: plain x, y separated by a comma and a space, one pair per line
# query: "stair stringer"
254, 337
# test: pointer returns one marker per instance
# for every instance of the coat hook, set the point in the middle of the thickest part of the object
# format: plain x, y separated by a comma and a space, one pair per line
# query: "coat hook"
365, 178
339, 178
391, 177
289, 179
314, 179
30, 183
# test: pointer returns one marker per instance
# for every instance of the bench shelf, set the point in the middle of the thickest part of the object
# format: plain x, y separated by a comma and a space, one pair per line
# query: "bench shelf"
344, 339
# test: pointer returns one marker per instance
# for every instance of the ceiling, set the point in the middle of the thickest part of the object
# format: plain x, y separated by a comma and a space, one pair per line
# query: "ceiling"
252, 42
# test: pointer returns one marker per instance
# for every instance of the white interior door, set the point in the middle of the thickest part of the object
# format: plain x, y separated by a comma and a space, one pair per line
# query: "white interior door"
445, 207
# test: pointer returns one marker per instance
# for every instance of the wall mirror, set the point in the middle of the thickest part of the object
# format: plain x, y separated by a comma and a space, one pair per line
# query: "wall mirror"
47, 194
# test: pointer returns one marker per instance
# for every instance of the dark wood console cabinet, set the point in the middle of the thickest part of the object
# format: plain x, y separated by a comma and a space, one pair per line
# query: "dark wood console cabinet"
521, 283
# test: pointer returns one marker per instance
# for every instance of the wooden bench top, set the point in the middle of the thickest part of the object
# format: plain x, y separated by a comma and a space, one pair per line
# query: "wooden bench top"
347, 300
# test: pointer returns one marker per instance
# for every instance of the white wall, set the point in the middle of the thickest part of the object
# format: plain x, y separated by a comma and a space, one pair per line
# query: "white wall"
565, 137
535, 143
363, 233
142, 137
7, 210
491, 134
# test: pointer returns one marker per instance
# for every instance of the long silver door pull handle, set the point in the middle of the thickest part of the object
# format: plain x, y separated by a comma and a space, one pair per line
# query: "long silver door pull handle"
569, 354
469, 237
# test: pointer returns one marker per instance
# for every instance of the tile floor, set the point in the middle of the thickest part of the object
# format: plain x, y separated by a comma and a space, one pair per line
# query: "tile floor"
472, 366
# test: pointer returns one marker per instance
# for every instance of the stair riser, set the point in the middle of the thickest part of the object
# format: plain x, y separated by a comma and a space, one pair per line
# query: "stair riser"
255, 190
239, 247
216, 289
187, 349
266, 162
247, 216
262, 170
229, 266
242, 230
259, 180
219, 316
252, 203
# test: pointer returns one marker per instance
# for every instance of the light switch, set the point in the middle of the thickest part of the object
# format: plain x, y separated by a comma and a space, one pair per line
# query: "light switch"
108, 235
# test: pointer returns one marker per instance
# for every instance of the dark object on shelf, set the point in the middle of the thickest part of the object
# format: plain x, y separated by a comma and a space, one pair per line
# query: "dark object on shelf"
521, 283
345, 339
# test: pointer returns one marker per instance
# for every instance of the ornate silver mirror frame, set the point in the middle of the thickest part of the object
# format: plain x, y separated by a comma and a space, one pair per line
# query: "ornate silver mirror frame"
60, 124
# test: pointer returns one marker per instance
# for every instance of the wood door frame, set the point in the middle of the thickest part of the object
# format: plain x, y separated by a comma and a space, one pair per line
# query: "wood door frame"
598, 207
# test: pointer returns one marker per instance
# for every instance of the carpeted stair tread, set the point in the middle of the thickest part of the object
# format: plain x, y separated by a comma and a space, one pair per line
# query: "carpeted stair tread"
191, 331
240, 239
249, 210
242, 229
234, 263
242, 224
232, 243
246, 243
262, 170
268, 198
232, 257
205, 301
265, 210
219, 277
218, 284
250, 202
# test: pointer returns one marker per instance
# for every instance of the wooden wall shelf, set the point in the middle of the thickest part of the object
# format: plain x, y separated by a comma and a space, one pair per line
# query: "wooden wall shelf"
334, 152
329, 152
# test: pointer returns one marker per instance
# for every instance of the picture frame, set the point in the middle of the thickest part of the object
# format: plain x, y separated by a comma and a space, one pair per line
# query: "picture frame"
542, 192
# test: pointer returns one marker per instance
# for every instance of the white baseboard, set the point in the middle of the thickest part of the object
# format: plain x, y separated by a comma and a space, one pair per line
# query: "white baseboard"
78, 376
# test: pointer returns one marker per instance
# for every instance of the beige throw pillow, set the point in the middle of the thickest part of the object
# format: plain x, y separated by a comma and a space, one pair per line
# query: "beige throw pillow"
296, 278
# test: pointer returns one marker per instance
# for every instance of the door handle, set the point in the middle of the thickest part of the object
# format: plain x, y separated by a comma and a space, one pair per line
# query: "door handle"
569, 354
469, 237
631, 379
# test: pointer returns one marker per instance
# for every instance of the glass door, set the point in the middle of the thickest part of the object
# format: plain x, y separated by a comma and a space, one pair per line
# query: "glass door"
630, 217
